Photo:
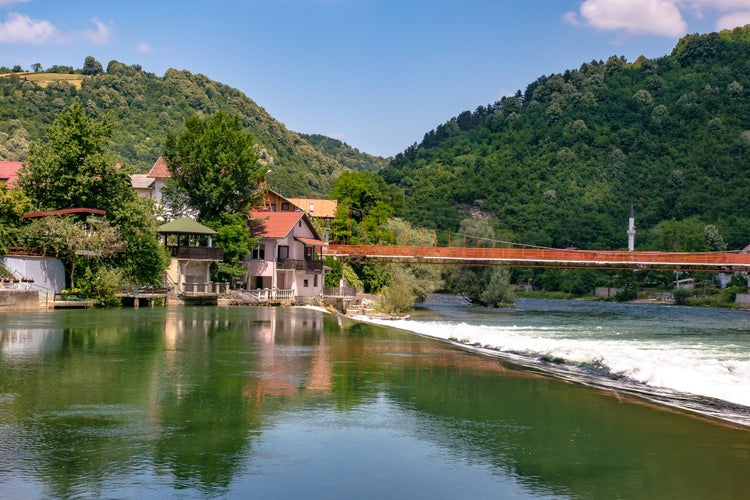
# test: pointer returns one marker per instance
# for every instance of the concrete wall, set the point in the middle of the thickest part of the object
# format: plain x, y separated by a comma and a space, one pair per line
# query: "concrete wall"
48, 273
743, 299
18, 300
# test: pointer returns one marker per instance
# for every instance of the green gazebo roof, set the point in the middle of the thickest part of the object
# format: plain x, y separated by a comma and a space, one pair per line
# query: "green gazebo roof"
184, 225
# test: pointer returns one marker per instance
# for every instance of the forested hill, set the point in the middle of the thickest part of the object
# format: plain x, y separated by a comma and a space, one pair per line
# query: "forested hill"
142, 107
348, 156
561, 163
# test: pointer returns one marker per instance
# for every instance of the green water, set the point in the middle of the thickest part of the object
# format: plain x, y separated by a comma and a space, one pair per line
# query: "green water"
296, 403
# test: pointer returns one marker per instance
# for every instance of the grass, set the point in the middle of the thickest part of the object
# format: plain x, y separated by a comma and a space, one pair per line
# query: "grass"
44, 79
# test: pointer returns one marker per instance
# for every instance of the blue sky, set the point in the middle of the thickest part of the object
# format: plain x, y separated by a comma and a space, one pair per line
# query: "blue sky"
377, 74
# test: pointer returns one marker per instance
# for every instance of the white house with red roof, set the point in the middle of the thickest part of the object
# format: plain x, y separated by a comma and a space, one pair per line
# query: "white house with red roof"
287, 256
150, 185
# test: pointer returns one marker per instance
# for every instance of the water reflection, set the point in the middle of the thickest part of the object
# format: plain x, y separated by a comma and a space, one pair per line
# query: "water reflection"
221, 401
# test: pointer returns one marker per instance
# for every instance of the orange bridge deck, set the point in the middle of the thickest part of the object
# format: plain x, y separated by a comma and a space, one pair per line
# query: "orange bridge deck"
547, 257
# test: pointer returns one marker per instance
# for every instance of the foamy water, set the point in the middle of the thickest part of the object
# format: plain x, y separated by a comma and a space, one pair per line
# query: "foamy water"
689, 350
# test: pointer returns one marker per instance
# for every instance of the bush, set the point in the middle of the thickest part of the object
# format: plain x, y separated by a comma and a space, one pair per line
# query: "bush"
103, 285
681, 296
630, 293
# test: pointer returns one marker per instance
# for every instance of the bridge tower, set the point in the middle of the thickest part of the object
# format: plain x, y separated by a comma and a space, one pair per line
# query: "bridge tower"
631, 230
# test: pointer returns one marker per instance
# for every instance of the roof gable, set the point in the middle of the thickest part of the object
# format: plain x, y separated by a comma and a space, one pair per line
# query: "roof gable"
160, 170
276, 225
184, 225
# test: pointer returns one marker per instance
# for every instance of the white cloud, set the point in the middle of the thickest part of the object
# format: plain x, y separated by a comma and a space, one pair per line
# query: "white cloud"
733, 20
101, 35
8, 3
18, 28
656, 17
143, 48
571, 18
720, 5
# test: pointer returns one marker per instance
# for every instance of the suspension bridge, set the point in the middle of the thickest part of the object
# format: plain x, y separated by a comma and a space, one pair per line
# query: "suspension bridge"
543, 257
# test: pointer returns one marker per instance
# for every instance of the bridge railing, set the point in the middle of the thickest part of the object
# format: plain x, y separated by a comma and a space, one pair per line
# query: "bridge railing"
544, 255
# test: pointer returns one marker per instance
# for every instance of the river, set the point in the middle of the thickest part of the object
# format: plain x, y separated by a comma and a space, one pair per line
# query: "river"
549, 399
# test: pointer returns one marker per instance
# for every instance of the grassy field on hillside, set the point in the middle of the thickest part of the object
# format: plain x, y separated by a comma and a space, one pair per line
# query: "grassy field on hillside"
43, 79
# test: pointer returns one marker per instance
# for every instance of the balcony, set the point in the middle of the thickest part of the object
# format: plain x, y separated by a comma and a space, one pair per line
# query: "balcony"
300, 265
196, 253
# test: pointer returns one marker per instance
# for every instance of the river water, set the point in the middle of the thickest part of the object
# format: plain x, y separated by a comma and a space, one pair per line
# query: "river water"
549, 399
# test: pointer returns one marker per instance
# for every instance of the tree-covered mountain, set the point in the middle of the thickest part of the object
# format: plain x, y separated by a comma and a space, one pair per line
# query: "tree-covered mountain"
561, 163
349, 157
143, 106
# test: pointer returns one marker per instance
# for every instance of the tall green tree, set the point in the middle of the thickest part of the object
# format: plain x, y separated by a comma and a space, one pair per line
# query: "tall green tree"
73, 167
214, 162
367, 192
215, 170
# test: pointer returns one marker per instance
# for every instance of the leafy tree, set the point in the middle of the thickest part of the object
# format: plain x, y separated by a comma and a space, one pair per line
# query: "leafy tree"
398, 297
214, 162
688, 235
234, 238
91, 66
366, 192
333, 277
70, 239
13, 204
73, 167
481, 285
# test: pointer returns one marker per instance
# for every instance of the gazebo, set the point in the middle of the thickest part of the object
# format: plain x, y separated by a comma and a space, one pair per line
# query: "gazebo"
191, 246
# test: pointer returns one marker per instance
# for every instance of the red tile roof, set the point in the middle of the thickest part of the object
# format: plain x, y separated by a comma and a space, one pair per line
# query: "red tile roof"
159, 170
274, 224
9, 172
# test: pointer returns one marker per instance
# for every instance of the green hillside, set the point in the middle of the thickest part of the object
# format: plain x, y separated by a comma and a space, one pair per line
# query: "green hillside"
346, 155
561, 163
143, 107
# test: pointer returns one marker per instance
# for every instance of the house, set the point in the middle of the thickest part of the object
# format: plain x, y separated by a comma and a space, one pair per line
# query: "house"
151, 184
275, 202
159, 173
288, 254
9, 173
323, 210
190, 245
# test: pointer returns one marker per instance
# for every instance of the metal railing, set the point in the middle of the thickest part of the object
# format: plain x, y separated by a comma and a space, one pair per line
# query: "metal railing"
196, 253
545, 256
299, 264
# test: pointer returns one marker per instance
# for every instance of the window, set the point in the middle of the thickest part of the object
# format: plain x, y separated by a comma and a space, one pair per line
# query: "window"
283, 252
309, 253
259, 253
305, 283
315, 281
285, 207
